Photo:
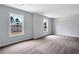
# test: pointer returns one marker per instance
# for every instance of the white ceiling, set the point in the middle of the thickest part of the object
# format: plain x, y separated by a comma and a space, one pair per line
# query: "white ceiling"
49, 10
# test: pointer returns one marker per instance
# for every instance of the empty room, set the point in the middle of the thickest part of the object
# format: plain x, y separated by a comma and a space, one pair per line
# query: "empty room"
39, 28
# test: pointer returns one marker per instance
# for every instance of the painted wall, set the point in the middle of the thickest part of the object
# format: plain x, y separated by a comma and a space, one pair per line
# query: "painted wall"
38, 26
4, 26
30, 21
68, 26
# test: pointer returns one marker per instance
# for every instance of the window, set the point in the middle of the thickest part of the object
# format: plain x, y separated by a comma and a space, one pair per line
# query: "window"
16, 25
45, 25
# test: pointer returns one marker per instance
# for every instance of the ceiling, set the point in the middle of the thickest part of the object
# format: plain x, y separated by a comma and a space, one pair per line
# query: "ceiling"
49, 10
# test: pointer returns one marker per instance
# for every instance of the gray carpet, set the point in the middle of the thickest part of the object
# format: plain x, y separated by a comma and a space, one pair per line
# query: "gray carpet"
48, 45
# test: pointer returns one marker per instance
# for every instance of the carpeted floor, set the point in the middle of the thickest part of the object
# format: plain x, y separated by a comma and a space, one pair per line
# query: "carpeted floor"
48, 45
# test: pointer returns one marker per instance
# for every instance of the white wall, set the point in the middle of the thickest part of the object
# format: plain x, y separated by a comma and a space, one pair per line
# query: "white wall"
4, 26
38, 26
68, 26
30, 21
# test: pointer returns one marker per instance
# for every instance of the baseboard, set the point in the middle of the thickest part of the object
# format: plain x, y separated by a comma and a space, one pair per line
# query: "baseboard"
15, 43
68, 36
42, 36
23, 41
